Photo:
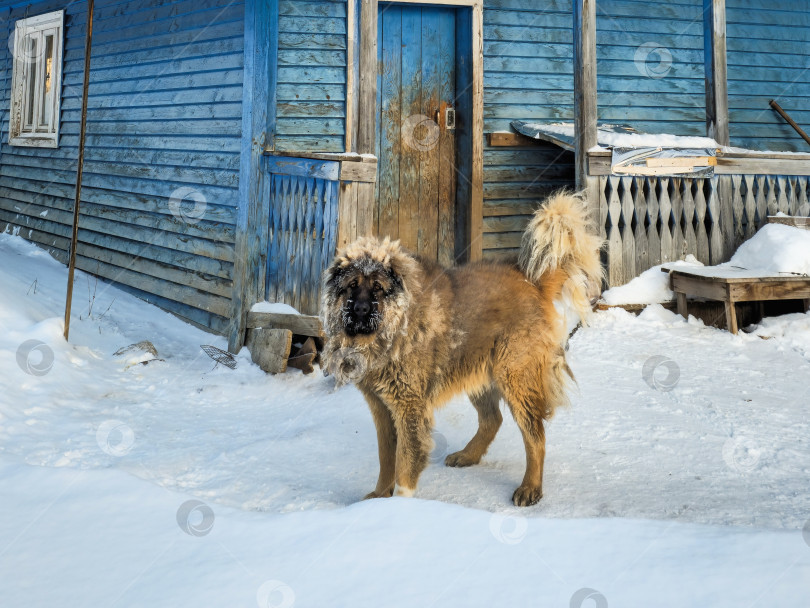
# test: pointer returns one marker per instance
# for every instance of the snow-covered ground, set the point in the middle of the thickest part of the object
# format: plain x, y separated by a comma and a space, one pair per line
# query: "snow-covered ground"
678, 477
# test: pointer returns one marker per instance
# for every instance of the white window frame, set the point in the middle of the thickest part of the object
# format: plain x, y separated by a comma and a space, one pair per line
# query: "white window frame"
35, 134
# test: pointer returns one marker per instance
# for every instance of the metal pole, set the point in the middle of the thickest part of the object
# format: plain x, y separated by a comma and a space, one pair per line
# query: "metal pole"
79, 167
790, 121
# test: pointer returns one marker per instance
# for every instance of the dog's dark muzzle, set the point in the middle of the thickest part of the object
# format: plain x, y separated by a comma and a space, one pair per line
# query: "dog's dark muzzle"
360, 318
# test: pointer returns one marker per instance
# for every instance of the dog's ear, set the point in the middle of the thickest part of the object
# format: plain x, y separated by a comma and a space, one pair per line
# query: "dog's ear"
396, 280
401, 265
334, 273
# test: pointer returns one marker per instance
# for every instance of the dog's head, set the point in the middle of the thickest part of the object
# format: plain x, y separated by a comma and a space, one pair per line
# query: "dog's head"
366, 290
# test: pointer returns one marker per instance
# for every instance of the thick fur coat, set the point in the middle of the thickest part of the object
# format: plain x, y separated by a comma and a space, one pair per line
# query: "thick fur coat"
411, 335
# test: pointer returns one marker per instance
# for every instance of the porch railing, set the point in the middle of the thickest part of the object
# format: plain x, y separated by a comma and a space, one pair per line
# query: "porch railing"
650, 220
302, 233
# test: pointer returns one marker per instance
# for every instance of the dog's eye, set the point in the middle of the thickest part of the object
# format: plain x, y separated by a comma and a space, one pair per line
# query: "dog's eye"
377, 286
353, 285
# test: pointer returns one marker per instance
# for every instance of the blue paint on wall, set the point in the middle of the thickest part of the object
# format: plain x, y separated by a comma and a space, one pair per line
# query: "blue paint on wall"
161, 167
311, 88
768, 58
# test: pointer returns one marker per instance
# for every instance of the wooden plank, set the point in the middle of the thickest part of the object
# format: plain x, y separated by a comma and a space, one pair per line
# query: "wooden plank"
762, 166
798, 222
410, 121
683, 161
714, 26
432, 101
477, 134
614, 236
584, 85
721, 227
628, 256
512, 140
303, 167
653, 236
745, 291
270, 348
447, 161
365, 208
347, 217
367, 101
305, 325
358, 171
665, 210
465, 80
690, 285
701, 235
599, 164
390, 121
682, 306
731, 316
642, 251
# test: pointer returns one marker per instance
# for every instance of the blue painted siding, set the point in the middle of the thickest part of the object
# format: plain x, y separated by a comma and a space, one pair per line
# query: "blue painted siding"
768, 58
164, 114
650, 65
311, 90
528, 75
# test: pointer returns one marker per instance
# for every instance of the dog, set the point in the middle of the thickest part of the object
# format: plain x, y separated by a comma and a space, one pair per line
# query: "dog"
411, 335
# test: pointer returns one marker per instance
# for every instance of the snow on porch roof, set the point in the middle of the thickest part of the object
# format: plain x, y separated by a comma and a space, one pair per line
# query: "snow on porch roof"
609, 136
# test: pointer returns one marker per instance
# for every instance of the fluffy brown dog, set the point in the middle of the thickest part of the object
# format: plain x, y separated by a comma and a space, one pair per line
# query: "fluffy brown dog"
411, 335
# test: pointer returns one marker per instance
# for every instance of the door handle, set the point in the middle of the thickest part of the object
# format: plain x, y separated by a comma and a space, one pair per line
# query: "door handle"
446, 117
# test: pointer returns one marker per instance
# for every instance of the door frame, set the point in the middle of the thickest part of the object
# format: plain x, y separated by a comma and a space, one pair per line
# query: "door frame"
361, 106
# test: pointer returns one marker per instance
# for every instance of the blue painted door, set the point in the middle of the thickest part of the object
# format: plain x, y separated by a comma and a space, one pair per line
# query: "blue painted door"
416, 147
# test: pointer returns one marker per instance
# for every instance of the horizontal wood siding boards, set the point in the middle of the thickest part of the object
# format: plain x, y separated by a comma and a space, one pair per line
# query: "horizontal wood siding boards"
161, 167
515, 181
768, 58
528, 75
310, 94
650, 66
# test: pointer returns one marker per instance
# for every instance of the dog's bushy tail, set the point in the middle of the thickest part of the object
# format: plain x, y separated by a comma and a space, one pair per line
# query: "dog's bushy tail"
558, 240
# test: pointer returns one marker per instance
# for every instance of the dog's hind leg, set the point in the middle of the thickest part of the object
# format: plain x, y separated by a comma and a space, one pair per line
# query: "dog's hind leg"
527, 409
489, 421
386, 446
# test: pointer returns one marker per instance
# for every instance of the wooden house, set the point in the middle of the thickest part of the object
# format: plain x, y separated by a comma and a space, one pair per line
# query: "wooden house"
232, 145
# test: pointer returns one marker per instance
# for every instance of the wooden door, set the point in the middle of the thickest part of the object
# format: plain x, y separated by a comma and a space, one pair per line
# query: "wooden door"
416, 147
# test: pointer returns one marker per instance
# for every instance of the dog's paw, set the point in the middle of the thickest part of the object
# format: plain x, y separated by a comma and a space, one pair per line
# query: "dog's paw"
526, 496
387, 494
460, 459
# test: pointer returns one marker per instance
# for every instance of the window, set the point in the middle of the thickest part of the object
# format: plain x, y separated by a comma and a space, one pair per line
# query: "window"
37, 81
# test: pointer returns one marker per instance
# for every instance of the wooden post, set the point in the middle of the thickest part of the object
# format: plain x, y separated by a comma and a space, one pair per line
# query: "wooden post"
258, 118
352, 69
714, 59
585, 100
367, 93
74, 241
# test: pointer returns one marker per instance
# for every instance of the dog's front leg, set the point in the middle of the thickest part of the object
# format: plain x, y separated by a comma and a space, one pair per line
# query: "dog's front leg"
414, 425
386, 445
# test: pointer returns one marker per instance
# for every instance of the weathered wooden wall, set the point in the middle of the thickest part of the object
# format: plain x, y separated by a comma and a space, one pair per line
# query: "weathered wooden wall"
768, 58
311, 92
527, 76
650, 65
164, 115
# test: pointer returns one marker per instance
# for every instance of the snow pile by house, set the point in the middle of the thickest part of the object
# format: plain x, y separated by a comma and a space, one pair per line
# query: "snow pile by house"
774, 248
650, 287
678, 476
